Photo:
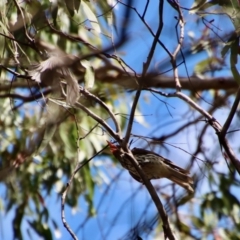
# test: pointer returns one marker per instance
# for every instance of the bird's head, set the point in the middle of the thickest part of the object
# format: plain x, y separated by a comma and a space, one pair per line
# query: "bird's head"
116, 150
113, 148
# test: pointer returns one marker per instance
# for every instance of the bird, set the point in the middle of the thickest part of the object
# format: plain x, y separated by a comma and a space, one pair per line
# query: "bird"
58, 66
154, 166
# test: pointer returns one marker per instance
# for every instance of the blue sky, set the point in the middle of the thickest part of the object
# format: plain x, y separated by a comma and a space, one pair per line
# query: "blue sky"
134, 54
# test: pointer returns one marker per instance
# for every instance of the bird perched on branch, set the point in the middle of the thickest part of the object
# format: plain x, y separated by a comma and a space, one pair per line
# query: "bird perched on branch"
154, 166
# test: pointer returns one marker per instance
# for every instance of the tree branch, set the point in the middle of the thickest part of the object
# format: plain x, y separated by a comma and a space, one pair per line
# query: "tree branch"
166, 226
88, 94
116, 136
144, 73
211, 120
178, 47
231, 115
152, 80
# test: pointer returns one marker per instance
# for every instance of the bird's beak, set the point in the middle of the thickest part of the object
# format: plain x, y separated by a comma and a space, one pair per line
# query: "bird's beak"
113, 147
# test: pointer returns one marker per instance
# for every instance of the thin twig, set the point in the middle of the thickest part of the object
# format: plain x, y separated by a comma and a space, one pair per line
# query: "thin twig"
25, 98
145, 9
131, 118
147, 26
180, 42
18, 75
62, 211
115, 135
98, 100
144, 73
166, 226
63, 199
23, 19
211, 120
81, 165
231, 115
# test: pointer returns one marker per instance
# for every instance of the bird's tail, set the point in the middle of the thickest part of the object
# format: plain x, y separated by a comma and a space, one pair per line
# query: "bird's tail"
182, 179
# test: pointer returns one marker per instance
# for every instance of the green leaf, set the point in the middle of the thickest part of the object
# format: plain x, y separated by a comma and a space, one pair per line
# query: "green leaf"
46, 136
89, 14
41, 229
198, 222
54, 15
183, 227
234, 60
57, 231
19, 213
207, 65
90, 189
89, 74
72, 5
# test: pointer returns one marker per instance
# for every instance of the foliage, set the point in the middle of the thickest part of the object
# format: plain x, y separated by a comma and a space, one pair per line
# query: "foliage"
121, 49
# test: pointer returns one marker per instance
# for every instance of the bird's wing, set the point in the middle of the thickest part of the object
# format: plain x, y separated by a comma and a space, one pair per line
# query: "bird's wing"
140, 151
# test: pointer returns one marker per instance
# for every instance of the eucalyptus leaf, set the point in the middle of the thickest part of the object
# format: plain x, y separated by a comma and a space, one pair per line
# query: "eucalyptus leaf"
89, 74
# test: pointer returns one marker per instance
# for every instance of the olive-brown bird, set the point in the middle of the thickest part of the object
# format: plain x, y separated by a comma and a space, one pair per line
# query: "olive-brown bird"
154, 166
